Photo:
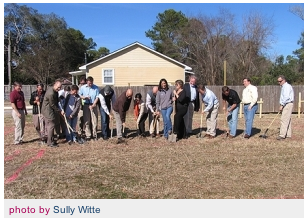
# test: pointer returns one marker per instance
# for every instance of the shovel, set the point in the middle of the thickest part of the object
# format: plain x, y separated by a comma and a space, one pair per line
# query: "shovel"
264, 135
201, 118
226, 130
41, 126
172, 136
111, 128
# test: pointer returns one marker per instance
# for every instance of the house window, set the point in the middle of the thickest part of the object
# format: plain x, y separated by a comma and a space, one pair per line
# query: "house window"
108, 76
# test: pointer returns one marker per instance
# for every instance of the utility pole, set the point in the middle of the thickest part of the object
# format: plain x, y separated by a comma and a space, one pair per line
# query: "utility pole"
85, 58
225, 72
9, 61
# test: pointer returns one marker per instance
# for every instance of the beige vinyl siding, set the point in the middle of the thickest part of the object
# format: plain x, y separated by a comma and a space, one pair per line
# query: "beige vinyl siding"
137, 67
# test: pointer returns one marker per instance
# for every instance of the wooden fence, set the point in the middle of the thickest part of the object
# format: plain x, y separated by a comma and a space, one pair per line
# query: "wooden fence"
270, 95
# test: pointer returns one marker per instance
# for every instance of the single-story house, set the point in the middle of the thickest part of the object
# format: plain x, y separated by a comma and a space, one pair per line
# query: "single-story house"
133, 65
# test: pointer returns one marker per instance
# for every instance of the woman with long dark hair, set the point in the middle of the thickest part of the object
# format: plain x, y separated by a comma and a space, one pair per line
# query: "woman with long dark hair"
164, 105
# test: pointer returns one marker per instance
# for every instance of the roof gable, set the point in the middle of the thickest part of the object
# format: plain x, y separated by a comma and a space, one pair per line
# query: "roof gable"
84, 67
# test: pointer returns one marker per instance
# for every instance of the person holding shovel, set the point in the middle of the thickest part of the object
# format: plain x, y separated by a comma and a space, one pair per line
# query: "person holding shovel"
50, 111
211, 110
181, 107
233, 99
286, 107
107, 98
141, 114
120, 107
153, 117
36, 100
71, 108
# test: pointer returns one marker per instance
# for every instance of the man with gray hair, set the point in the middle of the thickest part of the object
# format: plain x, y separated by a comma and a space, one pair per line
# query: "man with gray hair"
211, 110
192, 93
286, 107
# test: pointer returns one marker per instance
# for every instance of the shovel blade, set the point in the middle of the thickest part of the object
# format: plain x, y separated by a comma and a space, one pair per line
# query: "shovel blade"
172, 138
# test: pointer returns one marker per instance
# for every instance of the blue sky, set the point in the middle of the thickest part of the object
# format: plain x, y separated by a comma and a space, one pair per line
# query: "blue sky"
116, 25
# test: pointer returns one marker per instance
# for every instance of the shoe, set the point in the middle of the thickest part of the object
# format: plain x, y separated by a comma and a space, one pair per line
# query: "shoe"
105, 137
120, 140
280, 138
152, 135
88, 139
158, 135
95, 139
231, 136
210, 136
56, 138
80, 141
53, 145
246, 136
69, 142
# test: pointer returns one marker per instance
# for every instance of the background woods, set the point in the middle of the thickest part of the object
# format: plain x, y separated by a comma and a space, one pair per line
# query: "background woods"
44, 48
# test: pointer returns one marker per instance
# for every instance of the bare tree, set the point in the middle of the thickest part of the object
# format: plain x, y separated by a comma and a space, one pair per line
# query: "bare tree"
254, 38
206, 40
298, 11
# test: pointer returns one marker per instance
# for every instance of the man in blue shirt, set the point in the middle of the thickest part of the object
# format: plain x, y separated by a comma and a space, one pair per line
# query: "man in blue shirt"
211, 110
89, 93
286, 107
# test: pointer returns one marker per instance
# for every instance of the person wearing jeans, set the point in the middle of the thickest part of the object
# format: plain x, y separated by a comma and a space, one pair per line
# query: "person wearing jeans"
164, 105
166, 113
249, 99
71, 108
106, 98
249, 114
231, 96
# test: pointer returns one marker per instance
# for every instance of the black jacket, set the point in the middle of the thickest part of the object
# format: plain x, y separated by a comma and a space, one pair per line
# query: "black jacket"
35, 106
188, 94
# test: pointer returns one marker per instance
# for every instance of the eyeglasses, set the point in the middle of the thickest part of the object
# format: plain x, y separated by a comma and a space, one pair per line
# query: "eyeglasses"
279, 81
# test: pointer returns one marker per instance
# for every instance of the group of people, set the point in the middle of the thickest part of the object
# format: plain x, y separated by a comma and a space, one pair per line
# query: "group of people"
75, 110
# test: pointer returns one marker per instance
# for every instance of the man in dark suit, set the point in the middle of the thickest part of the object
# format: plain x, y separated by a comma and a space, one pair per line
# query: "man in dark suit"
194, 104
50, 111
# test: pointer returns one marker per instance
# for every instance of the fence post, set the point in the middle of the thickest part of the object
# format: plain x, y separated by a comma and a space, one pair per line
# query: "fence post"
299, 105
261, 103
241, 109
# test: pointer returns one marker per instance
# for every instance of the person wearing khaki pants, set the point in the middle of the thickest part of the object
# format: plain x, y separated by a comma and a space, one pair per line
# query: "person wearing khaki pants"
211, 110
89, 93
19, 111
286, 108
